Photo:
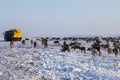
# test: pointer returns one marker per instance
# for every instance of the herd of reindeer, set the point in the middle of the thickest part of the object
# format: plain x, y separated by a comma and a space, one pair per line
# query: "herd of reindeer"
74, 43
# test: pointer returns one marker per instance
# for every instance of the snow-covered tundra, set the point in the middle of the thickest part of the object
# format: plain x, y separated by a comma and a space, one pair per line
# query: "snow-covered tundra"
28, 63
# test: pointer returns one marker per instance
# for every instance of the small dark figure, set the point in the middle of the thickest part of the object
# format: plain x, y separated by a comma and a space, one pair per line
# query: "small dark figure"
80, 48
23, 42
56, 42
43, 41
75, 47
65, 47
27, 39
95, 52
46, 43
35, 44
116, 51
11, 44
97, 46
31, 42
64, 43
83, 49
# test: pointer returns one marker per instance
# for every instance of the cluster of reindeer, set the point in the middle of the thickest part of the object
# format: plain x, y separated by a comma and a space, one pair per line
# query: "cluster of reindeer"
95, 47
44, 42
73, 45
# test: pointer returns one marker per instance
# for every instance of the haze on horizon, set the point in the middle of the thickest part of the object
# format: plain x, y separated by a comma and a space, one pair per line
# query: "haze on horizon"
61, 17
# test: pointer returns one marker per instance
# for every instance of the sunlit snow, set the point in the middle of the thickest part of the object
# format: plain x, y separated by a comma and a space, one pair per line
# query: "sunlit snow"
28, 63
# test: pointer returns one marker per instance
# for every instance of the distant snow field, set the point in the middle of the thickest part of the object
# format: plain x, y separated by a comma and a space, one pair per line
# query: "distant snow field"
28, 63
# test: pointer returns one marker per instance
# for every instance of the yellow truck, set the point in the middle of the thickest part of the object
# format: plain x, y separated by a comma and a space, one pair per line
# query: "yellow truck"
13, 35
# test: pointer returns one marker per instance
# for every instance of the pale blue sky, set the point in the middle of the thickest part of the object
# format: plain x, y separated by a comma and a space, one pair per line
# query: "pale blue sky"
60, 17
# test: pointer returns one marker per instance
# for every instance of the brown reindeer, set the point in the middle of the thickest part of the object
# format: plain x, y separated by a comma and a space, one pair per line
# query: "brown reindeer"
31, 42
110, 50
95, 52
44, 42
11, 44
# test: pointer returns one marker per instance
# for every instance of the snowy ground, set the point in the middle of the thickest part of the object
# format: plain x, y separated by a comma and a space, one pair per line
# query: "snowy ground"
27, 63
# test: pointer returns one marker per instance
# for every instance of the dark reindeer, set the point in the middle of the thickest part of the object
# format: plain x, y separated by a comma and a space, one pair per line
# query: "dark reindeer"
35, 44
11, 44
44, 42
96, 47
79, 48
65, 47
23, 42
56, 42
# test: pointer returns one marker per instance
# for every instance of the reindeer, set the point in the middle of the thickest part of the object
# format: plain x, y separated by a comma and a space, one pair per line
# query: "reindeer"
35, 44
11, 44
31, 41
95, 52
116, 51
110, 50
56, 42
96, 46
44, 42
65, 47
23, 42
80, 48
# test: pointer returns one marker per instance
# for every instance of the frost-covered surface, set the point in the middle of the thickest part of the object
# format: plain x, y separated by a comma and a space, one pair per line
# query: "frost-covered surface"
26, 63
